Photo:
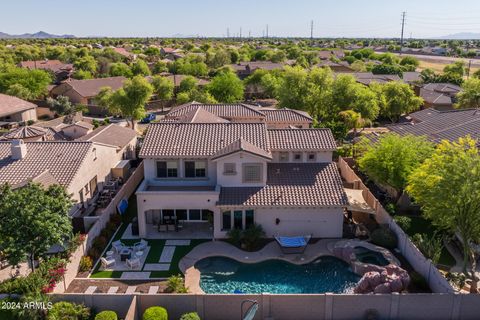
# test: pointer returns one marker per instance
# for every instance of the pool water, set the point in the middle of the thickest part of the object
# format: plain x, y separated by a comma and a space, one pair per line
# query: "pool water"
326, 274
371, 257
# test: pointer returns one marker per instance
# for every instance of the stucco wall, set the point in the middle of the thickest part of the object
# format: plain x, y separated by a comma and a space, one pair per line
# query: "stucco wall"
75, 132
236, 180
26, 115
320, 156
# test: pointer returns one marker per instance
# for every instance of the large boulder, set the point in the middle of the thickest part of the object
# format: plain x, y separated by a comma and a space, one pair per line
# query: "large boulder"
382, 288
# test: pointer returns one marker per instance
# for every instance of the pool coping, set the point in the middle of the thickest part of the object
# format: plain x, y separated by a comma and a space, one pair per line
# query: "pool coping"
271, 251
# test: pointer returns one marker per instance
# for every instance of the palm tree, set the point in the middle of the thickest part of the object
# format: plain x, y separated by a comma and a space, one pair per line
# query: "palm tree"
353, 120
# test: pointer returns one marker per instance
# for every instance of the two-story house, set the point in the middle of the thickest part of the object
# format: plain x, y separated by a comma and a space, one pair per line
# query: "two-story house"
234, 175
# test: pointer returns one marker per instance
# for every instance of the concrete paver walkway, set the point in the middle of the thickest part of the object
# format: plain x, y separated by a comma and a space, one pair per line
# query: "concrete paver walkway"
91, 289
131, 289
135, 275
167, 254
112, 290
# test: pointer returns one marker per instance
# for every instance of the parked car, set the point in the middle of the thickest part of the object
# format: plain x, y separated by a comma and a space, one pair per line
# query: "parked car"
150, 117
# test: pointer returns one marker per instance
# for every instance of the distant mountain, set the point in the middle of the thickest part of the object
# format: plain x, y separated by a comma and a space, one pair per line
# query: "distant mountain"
462, 36
37, 35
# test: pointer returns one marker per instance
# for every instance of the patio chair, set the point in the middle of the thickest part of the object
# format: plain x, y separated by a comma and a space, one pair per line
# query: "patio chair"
118, 246
133, 263
162, 227
140, 246
171, 227
107, 262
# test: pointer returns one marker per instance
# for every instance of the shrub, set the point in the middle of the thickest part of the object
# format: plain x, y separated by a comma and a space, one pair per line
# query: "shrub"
384, 237
419, 281
190, 316
67, 310
116, 219
155, 313
430, 246
252, 236
235, 236
86, 263
457, 280
94, 253
106, 315
176, 284
391, 208
99, 243
403, 222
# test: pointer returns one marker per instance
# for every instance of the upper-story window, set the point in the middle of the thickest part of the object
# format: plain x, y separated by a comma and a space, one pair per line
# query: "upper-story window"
297, 157
283, 157
311, 157
195, 169
167, 169
229, 169
252, 172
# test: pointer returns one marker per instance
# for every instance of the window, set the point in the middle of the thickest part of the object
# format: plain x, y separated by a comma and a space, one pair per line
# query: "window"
297, 156
311, 157
194, 214
195, 169
93, 186
226, 220
249, 218
229, 169
181, 214
252, 172
87, 189
238, 219
283, 157
167, 169
207, 214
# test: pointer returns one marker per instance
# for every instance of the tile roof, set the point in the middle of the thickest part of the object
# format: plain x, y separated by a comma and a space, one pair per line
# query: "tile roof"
285, 115
61, 159
112, 134
11, 105
81, 124
52, 65
91, 87
201, 115
434, 97
253, 65
291, 185
411, 76
438, 125
301, 139
447, 88
223, 110
166, 139
241, 145
28, 132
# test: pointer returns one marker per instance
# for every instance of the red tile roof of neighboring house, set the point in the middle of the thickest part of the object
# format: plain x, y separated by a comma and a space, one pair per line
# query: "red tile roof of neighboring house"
51, 65
124, 52
301, 139
11, 105
61, 159
201, 115
285, 115
28, 132
91, 87
112, 134
227, 111
291, 185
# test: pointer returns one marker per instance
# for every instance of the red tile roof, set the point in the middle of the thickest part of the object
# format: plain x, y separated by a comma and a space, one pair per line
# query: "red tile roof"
241, 145
301, 139
11, 105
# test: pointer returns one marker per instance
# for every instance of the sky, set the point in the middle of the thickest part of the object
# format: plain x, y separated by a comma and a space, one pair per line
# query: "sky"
150, 18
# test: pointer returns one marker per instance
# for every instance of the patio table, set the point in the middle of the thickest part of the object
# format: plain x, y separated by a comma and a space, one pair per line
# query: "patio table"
139, 254
125, 254
109, 253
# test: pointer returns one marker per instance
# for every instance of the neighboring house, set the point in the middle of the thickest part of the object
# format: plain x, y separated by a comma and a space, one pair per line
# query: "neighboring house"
85, 91
244, 69
437, 125
367, 77
336, 67
80, 167
178, 78
61, 71
441, 96
30, 134
14, 110
171, 53
411, 77
123, 139
239, 112
77, 129
239, 174
125, 53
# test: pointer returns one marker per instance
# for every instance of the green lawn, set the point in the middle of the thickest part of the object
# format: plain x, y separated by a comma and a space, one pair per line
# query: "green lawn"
421, 225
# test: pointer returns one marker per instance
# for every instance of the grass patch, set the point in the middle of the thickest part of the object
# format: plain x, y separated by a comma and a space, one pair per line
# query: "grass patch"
106, 274
421, 225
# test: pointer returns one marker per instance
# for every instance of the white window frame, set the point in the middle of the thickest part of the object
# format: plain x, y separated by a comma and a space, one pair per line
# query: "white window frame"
232, 171
283, 153
260, 172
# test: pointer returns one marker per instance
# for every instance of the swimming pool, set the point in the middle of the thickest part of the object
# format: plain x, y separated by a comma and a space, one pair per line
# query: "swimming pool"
325, 274
369, 256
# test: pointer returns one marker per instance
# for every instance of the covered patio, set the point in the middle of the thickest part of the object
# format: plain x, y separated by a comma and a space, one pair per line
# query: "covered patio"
190, 230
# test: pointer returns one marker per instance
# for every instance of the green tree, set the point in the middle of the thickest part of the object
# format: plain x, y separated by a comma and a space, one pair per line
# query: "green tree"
82, 75
226, 87
469, 97
163, 87
395, 99
410, 61
457, 69
353, 120
293, 89
129, 101
61, 105
28, 84
87, 63
33, 220
447, 186
392, 159
140, 67
120, 69
188, 84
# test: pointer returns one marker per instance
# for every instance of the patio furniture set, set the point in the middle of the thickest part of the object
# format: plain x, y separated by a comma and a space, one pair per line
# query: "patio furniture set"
110, 188
130, 255
170, 224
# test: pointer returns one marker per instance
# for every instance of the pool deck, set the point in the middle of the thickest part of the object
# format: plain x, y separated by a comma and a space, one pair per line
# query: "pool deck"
270, 251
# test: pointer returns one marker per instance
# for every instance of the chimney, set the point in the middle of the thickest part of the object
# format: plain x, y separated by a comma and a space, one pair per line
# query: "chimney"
19, 149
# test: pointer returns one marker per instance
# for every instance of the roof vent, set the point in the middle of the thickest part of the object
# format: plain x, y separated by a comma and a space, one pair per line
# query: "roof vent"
19, 149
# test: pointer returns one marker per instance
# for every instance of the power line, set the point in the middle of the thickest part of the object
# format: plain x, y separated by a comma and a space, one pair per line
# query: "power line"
403, 27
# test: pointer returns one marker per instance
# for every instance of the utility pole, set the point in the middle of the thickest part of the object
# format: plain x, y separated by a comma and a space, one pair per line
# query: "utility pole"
267, 31
469, 66
228, 32
249, 34
311, 31
240, 32
403, 28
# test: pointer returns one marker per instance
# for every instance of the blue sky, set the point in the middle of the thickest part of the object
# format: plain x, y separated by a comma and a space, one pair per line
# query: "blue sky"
349, 18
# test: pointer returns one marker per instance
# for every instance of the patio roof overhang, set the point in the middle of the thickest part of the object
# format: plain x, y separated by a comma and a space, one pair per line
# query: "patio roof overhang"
356, 202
